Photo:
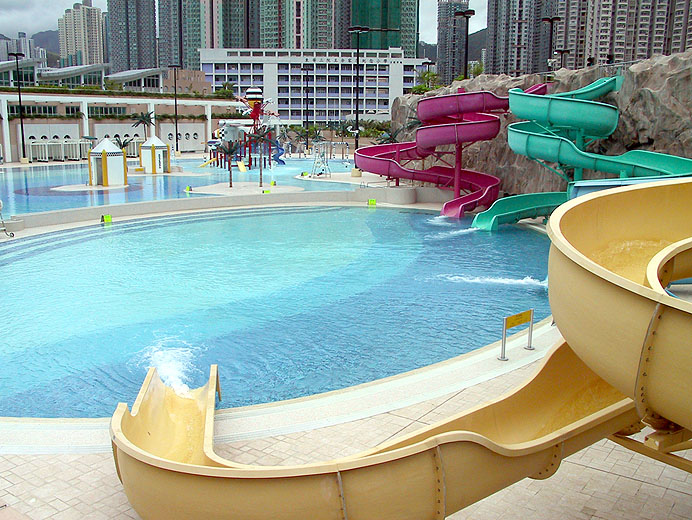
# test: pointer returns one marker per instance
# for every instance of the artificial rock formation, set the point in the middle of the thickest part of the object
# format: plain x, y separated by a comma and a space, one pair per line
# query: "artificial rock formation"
655, 104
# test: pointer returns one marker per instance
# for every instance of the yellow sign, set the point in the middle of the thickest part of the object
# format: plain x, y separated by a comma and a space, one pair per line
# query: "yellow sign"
518, 319
372, 202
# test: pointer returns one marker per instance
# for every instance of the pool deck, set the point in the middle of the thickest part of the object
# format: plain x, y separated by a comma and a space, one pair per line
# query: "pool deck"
63, 469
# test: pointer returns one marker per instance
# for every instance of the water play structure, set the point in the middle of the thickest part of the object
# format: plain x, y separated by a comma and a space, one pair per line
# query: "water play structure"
456, 119
625, 359
560, 127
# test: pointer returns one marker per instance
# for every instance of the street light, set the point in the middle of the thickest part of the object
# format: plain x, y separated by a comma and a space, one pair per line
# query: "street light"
358, 30
305, 68
562, 53
551, 20
467, 16
16, 56
175, 67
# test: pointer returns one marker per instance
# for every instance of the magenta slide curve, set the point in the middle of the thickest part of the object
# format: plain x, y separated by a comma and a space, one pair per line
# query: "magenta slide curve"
447, 120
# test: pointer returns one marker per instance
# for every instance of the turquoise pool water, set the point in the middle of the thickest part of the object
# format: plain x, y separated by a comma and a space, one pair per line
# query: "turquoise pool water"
28, 189
288, 302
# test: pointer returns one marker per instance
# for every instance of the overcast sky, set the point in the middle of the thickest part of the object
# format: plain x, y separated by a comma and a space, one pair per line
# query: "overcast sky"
32, 16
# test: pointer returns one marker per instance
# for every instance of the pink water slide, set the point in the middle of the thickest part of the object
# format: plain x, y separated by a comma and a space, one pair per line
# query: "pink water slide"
455, 119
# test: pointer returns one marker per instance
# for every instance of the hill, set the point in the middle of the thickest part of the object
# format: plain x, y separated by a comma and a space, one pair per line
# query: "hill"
477, 41
48, 40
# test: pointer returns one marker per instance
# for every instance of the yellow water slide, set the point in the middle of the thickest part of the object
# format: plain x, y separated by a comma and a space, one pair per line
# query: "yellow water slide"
613, 254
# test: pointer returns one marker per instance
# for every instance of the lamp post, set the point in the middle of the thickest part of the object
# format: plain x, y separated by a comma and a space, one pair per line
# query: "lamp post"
551, 20
175, 67
562, 53
16, 56
467, 16
305, 68
358, 30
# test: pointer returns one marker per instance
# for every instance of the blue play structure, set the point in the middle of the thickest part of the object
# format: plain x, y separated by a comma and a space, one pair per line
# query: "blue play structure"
279, 152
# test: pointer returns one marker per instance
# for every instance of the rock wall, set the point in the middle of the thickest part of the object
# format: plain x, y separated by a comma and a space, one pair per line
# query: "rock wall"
655, 104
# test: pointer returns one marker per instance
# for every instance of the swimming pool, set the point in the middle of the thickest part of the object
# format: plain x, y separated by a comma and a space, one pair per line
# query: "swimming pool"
289, 302
29, 189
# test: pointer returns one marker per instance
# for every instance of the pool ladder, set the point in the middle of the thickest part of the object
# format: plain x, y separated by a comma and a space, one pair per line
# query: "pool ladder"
3, 227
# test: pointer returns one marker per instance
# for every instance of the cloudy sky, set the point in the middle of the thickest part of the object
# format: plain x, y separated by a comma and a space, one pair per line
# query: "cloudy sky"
32, 16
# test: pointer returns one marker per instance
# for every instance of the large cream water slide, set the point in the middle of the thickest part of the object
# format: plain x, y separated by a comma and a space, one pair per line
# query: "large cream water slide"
627, 357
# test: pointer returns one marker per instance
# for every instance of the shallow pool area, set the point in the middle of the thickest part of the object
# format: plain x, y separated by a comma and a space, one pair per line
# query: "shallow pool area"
289, 302
31, 189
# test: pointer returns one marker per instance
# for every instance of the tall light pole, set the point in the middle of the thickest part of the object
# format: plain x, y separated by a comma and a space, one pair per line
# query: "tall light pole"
467, 16
562, 53
175, 67
551, 20
16, 56
358, 30
305, 69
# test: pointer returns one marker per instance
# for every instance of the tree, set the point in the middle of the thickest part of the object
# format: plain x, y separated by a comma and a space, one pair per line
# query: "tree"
145, 119
477, 69
389, 137
429, 78
261, 137
122, 143
231, 149
227, 90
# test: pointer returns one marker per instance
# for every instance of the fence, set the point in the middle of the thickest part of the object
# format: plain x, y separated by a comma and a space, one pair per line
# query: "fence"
44, 150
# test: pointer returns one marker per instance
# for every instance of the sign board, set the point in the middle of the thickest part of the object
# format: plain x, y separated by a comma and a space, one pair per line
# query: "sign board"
518, 319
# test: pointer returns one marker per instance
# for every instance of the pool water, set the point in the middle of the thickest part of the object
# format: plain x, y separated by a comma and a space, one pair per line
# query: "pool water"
29, 189
289, 302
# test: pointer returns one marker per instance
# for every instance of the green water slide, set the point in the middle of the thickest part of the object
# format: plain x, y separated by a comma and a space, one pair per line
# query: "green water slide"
512, 209
559, 128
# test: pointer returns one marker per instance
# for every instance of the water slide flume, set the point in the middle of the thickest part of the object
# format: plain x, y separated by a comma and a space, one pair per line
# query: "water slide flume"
165, 456
455, 119
613, 254
558, 130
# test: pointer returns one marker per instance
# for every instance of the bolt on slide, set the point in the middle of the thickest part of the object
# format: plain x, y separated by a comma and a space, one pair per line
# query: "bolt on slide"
560, 127
455, 119
625, 363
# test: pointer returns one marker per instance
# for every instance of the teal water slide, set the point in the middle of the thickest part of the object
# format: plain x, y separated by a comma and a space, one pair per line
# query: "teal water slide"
559, 128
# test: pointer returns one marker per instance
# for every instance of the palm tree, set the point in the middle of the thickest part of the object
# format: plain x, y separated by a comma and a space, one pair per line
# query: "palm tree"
227, 90
302, 135
122, 143
389, 137
145, 119
231, 149
261, 137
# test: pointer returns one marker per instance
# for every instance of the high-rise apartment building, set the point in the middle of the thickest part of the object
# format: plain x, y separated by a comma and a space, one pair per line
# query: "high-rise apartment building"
451, 38
24, 45
401, 15
517, 38
80, 32
132, 36
616, 31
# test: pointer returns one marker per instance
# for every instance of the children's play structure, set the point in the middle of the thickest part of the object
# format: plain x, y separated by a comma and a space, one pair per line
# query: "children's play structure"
457, 119
560, 127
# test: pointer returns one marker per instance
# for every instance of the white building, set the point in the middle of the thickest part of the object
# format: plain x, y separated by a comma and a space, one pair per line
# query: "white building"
316, 84
80, 32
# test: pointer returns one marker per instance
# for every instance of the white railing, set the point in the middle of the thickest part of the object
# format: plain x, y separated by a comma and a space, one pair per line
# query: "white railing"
43, 150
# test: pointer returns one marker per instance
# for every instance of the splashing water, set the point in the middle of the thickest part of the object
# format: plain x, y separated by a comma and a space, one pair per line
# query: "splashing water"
173, 359
527, 280
440, 220
449, 234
